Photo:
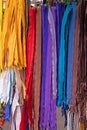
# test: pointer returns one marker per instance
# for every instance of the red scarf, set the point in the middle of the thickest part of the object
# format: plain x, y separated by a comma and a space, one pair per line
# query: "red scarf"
30, 60
30, 51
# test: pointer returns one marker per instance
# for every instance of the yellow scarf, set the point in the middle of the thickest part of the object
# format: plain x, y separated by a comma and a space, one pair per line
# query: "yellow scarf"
14, 35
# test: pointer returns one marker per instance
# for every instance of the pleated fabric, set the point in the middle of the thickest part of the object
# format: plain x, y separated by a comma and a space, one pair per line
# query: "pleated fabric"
31, 42
37, 70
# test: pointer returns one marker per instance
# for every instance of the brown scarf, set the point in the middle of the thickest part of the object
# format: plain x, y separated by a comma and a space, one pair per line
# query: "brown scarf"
79, 91
75, 58
37, 70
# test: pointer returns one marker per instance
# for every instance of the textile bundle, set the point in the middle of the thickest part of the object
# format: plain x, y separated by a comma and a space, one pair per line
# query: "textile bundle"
43, 65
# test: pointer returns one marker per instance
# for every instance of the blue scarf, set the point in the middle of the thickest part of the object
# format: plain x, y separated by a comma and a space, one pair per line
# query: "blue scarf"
62, 66
60, 8
70, 54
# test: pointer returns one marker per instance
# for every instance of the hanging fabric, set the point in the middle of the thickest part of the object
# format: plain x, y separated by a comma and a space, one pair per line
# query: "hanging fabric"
62, 69
37, 70
14, 42
21, 97
7, 88
51, 16
48, 80
79, 78
82, 69
75, 58
10, 96
48, 93
31, 42
70, 54
63, 60
60, 7
44, 62
53, 92
55, 57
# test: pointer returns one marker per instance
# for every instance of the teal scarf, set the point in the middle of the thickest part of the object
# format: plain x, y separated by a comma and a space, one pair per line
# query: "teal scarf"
62, 66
